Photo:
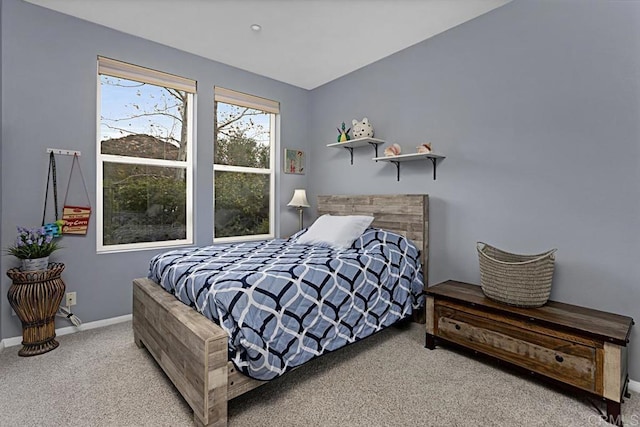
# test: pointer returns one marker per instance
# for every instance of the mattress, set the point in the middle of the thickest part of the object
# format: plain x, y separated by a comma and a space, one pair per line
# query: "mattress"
284, 303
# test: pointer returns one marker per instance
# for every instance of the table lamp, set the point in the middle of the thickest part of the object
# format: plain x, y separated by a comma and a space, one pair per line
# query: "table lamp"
299, 200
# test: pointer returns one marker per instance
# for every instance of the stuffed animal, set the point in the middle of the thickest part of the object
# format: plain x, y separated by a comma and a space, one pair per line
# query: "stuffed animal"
343, 135
362, 129
393, 150
424, 148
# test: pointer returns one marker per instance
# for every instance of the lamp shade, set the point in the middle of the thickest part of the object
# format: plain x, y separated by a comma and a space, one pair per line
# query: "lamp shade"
299, 199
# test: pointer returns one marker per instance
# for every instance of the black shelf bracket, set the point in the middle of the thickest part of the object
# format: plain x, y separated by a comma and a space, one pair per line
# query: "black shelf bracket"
350, 149
397, 168
397, 163
375, 147
433, 161
350, 152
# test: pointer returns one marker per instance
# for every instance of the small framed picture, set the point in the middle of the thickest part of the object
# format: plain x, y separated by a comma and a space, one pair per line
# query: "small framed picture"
293, 161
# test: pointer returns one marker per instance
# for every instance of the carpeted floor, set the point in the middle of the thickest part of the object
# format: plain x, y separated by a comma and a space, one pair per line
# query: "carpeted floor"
100, 378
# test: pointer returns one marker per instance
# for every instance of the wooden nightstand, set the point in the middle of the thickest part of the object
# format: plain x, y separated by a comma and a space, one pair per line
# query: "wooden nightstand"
576, 347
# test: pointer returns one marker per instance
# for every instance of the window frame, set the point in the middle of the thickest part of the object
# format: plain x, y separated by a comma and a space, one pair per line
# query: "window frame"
127, 71
228, 96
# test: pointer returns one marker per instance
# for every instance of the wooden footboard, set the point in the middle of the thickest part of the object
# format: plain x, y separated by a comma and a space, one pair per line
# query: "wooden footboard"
191, 349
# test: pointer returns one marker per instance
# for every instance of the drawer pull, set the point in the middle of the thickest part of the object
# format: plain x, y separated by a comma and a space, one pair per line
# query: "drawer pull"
559, 358
458, 327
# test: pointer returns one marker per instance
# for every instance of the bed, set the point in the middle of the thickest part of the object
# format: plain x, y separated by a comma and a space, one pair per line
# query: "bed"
194, 352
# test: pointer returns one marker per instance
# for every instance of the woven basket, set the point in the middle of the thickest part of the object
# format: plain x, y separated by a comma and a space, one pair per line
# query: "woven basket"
518, 280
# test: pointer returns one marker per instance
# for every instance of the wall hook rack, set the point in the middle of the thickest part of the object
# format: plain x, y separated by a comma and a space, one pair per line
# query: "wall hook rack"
63, 152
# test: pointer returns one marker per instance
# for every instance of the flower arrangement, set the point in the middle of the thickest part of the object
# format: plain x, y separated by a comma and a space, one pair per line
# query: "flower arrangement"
33, 243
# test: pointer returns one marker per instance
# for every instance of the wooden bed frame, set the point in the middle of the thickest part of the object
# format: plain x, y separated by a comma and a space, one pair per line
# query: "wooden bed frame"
192, 350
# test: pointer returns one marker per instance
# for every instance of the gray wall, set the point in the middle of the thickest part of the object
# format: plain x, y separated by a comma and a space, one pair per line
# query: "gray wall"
536, 106
1, 42
50, 61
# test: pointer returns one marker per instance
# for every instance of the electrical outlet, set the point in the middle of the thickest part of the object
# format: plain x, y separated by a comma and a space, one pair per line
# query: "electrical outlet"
71, 299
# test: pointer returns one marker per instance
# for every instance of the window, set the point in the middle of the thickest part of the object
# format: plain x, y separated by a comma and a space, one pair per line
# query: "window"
244, 127
144, 162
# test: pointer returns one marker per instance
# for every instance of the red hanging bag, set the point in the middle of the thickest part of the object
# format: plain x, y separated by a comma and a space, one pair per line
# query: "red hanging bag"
76, 218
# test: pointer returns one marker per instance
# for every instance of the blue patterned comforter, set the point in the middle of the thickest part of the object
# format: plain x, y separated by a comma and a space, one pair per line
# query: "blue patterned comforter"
283, 303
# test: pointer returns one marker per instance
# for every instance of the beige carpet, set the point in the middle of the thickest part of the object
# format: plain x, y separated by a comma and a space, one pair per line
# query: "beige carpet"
100, 378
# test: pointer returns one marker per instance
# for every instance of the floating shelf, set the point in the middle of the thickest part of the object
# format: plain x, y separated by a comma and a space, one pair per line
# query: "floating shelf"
355, 143
396, 160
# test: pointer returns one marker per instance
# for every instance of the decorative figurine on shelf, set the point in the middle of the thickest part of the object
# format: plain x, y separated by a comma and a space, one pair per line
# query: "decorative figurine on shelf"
362, 129
424, 148
343, 135
392, 150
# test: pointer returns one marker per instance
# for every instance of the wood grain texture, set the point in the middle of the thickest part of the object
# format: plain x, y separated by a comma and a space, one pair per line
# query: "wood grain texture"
599, 371
563, 360
238, 383
564, 343
430, 310
597, 324
527, 324
191, 350
614, 370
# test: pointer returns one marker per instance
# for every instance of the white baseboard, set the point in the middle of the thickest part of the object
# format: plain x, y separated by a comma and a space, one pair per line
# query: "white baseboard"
10, 342
634, 386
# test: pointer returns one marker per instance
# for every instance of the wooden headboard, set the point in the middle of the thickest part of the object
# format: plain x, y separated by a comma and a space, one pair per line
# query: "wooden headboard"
405, 214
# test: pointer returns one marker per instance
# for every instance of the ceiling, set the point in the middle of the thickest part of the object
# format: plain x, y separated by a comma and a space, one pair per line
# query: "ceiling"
306, 43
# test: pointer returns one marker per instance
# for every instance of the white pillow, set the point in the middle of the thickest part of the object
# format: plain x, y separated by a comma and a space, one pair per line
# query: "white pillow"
336, 231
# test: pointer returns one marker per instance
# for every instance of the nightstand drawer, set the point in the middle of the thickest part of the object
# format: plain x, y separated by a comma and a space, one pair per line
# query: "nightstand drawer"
567, 361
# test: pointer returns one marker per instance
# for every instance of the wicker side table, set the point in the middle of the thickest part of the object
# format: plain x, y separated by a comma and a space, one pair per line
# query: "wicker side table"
35, 297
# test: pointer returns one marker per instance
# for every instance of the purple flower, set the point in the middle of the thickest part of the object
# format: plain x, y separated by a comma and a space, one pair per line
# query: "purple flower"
32, 243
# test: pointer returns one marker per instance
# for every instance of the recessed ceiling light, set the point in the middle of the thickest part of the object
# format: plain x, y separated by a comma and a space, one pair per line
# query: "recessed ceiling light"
255, 27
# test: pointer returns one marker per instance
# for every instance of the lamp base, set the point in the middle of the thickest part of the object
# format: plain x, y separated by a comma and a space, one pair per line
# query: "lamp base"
300, 223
